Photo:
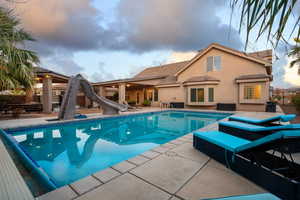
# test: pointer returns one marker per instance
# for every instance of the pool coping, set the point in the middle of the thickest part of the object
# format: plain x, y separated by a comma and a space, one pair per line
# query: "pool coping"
71, 188
46, 123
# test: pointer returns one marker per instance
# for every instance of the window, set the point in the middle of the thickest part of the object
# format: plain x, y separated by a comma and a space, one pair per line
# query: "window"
210, 63
197, 95
149, 95
155, 94
213, 63
211, 95
252, 92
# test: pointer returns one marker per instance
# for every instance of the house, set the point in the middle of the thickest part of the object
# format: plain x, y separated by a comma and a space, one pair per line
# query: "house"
217, 74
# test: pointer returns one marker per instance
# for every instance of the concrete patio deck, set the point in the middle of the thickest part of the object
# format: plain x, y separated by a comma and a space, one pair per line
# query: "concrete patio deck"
174, 170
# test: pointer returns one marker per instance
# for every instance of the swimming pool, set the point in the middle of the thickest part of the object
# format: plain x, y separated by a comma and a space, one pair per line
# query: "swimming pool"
66, 152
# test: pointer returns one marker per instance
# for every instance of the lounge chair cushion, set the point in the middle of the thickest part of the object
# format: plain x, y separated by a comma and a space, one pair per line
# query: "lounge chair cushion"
243, 126
261, 141
257, 128
263, 196
236, 144
281, 118
287, 118
221, 139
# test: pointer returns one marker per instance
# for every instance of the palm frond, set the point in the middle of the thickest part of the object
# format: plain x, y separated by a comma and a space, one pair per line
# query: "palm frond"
16, 64
270, 16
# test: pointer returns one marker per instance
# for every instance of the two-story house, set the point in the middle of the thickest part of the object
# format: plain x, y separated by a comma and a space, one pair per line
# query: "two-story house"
217, 74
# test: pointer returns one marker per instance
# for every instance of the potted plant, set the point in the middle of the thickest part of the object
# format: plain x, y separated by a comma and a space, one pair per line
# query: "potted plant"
146, 102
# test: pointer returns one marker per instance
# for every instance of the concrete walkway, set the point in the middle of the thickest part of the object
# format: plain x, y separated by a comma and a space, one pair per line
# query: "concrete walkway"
174, 170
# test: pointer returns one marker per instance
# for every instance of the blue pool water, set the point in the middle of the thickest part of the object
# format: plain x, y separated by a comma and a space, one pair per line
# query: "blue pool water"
70, 151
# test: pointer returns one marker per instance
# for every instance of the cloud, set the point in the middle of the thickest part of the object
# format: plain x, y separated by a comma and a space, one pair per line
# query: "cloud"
178, 56
62, 62
181, 25
102, 74
291, 74
67, 24
139, 26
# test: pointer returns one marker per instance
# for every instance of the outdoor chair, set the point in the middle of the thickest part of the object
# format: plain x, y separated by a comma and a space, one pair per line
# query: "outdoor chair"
261, 161
251, 131
262, 196
263, 122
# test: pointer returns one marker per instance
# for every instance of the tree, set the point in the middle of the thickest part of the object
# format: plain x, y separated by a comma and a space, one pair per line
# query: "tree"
295, 54
16, 63
270, 16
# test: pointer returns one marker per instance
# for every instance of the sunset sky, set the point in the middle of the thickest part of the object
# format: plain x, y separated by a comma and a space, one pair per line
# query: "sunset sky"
113, 39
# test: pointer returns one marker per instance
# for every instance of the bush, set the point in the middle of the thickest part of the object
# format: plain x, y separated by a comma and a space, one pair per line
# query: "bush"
296, 101
147, 102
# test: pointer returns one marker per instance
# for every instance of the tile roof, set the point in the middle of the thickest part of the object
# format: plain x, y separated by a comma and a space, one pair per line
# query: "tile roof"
163, 70
40, 70
168, 80
265, 54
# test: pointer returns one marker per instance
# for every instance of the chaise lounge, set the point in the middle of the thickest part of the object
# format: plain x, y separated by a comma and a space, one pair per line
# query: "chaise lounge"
252, 159
262, 196
251, 131
263, 122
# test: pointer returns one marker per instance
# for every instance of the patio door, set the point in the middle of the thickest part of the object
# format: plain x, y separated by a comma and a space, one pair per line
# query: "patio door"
137, 98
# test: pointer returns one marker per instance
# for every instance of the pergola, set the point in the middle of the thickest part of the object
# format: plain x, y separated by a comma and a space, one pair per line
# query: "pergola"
47, 78
123, 85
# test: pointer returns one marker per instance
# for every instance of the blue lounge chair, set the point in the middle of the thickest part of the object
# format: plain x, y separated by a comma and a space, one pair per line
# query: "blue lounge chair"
263, 122
278, 174
251, 131
263, 196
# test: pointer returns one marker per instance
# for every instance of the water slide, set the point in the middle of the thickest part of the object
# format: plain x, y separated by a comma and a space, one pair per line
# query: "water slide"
68, 106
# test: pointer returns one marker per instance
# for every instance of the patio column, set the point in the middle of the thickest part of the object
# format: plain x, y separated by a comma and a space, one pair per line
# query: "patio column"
101, 91
29, 95
47, 94
122, 92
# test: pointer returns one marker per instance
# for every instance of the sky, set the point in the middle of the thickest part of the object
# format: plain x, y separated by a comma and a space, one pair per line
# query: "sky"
112, 39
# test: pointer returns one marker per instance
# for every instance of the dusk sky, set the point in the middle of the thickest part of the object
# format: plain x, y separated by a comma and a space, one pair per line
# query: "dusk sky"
113, 39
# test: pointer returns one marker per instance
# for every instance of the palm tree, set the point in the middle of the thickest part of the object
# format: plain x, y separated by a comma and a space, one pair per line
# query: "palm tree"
269, 16
16, 63
295, 54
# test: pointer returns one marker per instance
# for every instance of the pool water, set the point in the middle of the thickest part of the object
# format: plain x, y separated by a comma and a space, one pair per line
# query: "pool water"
70, 151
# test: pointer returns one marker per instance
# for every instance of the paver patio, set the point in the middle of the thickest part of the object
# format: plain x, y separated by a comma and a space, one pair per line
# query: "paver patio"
172, 171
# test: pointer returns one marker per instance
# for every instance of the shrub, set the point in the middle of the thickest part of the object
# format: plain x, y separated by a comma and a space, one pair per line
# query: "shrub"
115, 96
147, 102
296, 101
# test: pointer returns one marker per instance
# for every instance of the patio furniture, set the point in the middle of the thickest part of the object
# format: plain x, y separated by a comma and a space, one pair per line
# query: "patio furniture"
251, 131
164, 105
176, 104
28, 107
226, 106
252, 159
262, 196
270, 106
263, 122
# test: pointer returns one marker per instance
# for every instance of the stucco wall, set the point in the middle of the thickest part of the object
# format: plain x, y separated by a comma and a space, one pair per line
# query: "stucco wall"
171, 94
227, 91
231, 67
